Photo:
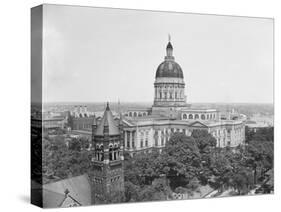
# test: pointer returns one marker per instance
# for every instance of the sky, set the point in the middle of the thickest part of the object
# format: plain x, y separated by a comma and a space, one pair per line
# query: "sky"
98, 55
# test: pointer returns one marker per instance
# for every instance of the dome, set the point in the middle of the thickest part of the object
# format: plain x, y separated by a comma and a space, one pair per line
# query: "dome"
169, 68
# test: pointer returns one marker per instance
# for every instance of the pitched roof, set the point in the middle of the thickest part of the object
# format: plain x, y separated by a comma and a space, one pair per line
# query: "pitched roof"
198, 124
79, 190
107, 121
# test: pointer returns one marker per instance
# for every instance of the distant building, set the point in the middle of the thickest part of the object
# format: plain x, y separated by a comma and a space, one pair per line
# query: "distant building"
80, 119
48, 123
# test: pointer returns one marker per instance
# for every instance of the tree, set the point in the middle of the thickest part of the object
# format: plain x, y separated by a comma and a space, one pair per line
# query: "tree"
180, 160
206, 144
158, 190
259, 155
60, 161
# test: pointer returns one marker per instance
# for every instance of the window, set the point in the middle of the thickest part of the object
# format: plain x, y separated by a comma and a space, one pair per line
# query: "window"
184, 116
115, 152
141, 143
156, 141
190, 116
133, 139
196, 116
203, 117
99, 153
110, 153
146, 142
128, 139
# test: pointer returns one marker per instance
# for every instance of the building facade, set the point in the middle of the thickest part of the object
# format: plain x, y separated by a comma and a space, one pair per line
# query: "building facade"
80, 119
152, 127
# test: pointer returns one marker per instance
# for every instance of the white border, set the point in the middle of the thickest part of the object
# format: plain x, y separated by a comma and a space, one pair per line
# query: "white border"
15, 101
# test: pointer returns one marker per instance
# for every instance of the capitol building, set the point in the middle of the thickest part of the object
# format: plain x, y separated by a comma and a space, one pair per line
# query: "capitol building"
137, 130
147, 128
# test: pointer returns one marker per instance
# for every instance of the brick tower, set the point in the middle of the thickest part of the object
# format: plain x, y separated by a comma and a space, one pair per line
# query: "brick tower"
107, 174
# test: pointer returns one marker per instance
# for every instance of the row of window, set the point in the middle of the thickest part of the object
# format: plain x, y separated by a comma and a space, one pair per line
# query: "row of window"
82, 126
169, 95
136, 114
114, 152
198, 116
115, 179
158, 140
171, 86
128, 141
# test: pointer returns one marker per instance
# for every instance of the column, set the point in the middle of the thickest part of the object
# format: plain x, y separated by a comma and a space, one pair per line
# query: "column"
125, 138
131, 135
165, 134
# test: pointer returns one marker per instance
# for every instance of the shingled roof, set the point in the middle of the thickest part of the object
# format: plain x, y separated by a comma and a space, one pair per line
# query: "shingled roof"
66, 192
107, 122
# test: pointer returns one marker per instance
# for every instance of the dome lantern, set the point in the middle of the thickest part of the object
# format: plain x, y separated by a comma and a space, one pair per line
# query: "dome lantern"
169, 68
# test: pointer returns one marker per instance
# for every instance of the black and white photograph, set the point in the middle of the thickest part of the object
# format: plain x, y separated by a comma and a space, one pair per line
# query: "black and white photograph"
132, 106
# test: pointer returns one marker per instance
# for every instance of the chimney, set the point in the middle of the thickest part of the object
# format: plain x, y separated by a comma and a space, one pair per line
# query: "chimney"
76, 111
86, 111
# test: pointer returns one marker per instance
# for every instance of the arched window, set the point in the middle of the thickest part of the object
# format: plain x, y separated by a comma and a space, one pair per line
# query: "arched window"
135, 114
130, 114
110, 152
99, 152
115, 152
143, 114
196, 116
184, 116
171, 96
207, 116
102, 153
190, 116
165, 94
203, 117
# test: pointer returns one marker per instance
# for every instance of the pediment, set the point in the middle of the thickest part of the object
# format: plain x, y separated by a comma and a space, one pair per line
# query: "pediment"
198, 124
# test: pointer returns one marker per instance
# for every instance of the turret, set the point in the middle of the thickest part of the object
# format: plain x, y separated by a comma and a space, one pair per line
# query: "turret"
94, 127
